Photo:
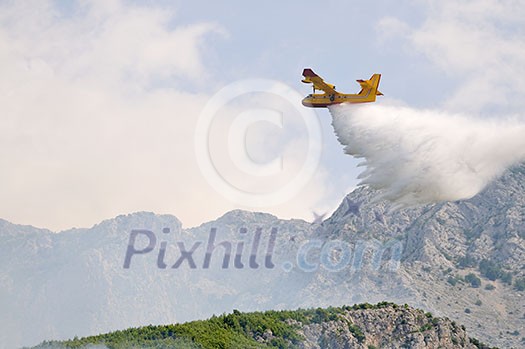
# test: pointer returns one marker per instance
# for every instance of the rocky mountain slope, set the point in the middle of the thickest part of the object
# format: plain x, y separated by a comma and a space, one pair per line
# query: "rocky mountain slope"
385, 325
464, 260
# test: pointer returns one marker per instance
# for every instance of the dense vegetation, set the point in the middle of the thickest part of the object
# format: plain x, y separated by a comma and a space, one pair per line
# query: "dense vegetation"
237, 330
488, 269
493, 271
274, 329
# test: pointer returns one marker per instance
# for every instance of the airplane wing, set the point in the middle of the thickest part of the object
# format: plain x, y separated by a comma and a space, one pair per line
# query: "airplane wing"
319, 84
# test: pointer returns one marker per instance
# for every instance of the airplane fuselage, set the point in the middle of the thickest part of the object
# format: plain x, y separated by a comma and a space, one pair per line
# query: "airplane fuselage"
323, 100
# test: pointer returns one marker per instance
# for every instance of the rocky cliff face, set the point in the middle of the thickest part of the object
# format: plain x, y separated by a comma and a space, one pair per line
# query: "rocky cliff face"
387, 328
443, 245
74, 283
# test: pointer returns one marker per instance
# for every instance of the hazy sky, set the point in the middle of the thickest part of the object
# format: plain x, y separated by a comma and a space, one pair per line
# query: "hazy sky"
100, 100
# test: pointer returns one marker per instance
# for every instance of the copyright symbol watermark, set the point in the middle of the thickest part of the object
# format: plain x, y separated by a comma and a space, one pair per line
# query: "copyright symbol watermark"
256, 144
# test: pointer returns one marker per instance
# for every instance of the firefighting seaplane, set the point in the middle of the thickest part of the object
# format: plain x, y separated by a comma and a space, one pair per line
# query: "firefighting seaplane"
330, 96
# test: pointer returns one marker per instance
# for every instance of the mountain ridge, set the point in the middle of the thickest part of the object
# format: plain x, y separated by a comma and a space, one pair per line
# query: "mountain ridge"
73, 282
383, 325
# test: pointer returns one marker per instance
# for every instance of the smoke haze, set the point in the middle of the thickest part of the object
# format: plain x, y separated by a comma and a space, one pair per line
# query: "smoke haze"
418, 157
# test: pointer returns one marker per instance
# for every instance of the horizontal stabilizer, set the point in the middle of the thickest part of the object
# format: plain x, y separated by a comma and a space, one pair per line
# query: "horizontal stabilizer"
372, 83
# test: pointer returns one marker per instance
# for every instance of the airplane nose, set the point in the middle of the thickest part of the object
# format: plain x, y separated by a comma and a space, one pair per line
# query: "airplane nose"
306, 102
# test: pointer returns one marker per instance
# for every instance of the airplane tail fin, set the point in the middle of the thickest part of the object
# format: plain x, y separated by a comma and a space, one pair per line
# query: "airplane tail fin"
374, 81
371, 84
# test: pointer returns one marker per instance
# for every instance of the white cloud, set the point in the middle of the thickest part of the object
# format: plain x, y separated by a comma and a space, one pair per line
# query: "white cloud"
84, 135
388, 27
117, 43
478, 43
97, 119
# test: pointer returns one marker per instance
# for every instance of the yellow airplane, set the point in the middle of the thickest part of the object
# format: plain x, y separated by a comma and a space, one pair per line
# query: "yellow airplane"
330, 96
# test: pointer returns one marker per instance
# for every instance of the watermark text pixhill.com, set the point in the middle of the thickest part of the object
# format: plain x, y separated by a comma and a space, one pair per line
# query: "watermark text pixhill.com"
331, 255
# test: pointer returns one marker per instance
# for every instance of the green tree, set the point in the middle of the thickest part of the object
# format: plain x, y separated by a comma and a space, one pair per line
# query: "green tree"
473, 280
519, 284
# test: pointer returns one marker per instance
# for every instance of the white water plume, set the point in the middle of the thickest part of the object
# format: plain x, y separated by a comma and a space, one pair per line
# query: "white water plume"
418, 157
